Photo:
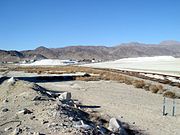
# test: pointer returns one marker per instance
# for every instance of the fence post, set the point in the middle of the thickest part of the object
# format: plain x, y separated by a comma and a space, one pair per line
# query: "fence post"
164, 106
173, 110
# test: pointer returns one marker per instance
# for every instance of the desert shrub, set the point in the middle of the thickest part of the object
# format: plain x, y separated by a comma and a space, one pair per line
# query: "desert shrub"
39, 72
161, 91
160, 87
138, 83
165, 81
153, 88
88, 78
128, 81
169, 94
146, 86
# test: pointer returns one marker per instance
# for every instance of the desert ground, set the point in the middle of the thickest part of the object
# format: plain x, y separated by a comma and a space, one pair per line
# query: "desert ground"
140, 109
135, 106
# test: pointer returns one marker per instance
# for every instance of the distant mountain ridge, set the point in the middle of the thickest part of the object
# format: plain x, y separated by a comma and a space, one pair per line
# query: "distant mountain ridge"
124, 50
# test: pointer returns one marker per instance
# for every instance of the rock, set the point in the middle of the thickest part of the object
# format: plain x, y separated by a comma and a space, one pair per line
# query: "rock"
17, 131
36, 98
81, 124
53, 125
5, 109
114, 125
122, 131
11, 81
27, 129
44, 122
86, 75
102, 130
71, 118
65, 96
32, 117
36, 133
25, 111
5, 101
7, 129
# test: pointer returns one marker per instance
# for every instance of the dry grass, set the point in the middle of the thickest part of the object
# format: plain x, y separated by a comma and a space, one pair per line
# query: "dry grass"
169, 94
102, 74
153, 88
128, 81
138, 83
88, 78
146, 86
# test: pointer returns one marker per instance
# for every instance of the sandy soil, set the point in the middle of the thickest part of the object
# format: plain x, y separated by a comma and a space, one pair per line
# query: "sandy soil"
135, 106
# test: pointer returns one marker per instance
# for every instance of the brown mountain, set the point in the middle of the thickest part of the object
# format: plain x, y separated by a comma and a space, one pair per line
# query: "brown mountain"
133, 49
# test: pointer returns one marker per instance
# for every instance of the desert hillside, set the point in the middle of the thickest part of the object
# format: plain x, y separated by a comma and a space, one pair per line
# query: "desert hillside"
133, 49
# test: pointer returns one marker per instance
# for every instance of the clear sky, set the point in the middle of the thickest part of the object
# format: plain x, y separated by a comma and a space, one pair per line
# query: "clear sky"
27, 24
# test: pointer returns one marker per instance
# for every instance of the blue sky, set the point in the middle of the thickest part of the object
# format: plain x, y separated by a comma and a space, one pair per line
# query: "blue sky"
27, 24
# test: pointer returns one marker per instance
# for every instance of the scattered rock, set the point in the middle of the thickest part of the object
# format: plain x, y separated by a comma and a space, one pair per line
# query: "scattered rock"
52, 125
5, 101
17, 131
122, 131
36, 98
32, 117
7, 129
102, 130
86, 75
36, 133
71, 118
81, 124
5, 109
44, 122
25, 111
65, 96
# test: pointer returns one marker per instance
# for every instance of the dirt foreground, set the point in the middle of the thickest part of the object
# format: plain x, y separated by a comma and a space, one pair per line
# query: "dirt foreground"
135, 106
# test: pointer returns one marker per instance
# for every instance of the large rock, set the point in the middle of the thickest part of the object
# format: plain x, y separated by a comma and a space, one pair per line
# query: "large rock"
11, 80
114, 125
65, 96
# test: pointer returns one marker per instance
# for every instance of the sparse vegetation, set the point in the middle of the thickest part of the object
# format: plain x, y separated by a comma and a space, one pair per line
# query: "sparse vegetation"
88, 78
153, 88
146, 86
169, 94
138, 83
99, 74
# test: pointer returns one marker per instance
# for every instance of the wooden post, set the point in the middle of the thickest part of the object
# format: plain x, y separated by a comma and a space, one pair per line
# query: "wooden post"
173, 110
164, 106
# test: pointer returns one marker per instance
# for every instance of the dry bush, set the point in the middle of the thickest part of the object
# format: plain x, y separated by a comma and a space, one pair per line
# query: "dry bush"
153, 88
39, 72
161, 89
165, 81
128, 81
138, 83
55, 72
88, 78
146, 86
169, 94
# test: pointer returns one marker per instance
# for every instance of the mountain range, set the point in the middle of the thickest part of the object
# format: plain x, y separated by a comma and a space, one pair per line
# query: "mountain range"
124, 50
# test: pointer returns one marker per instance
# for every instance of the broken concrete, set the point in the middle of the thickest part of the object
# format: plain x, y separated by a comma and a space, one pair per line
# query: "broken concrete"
65, 96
